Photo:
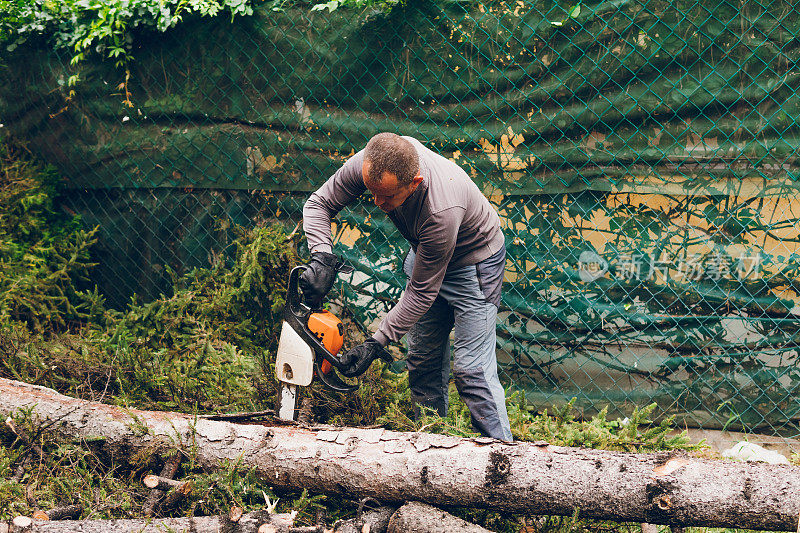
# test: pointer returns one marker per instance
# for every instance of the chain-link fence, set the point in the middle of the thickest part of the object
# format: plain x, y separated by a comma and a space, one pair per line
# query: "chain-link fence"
642, 154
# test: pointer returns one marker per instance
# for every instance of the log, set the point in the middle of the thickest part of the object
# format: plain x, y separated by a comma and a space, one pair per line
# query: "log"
20, 523
376, 521
533, 478
421, 518
248, 523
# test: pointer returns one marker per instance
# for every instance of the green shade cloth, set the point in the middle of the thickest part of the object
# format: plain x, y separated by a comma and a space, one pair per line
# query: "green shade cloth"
642, 154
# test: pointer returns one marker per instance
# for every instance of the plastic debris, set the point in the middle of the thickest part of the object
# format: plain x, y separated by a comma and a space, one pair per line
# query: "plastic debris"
747, 451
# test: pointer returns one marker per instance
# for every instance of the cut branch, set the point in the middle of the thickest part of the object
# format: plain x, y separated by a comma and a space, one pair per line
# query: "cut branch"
161, 484
393, 467
175, 496
69, 512
24, 437
26, 460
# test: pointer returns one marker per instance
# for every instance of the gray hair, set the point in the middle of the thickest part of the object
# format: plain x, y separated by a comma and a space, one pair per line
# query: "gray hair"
388, 152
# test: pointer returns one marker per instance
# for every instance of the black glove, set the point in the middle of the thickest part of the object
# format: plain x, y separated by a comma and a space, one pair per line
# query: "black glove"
317, 279
357, 360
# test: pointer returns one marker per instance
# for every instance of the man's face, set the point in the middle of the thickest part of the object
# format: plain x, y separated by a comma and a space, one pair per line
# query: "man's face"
387, 193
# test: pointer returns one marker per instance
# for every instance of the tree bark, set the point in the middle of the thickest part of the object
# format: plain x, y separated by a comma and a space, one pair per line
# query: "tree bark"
535, 478
248, 523
421, 518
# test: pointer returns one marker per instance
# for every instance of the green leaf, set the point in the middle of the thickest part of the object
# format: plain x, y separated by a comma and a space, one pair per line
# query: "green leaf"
575, 11
330, 6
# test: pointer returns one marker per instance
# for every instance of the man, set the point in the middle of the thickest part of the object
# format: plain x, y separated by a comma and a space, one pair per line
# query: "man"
455, 269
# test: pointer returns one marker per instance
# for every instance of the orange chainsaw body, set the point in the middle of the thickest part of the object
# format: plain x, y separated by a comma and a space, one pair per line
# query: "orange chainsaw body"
329, 329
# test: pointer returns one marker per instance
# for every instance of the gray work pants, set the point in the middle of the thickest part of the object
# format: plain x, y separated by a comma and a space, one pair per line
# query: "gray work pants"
468, 302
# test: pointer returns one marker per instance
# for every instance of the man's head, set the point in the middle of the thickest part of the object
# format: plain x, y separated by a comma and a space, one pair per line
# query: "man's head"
390, 170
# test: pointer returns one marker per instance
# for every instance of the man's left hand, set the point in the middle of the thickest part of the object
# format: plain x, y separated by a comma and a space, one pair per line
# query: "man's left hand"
357, 359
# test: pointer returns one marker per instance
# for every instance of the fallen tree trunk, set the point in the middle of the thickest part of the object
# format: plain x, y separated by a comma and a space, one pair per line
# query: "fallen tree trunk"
536, 478
412, 517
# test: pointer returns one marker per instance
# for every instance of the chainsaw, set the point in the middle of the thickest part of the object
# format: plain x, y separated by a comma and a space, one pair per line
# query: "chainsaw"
309, 343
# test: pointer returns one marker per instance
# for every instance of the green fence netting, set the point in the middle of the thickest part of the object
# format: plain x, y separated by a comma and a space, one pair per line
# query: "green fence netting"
642, 155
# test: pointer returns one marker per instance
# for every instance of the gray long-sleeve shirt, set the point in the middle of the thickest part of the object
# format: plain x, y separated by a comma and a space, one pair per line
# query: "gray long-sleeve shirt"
447, 220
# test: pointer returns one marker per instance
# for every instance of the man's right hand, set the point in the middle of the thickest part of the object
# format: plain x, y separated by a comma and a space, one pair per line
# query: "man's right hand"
357, 360
318, 278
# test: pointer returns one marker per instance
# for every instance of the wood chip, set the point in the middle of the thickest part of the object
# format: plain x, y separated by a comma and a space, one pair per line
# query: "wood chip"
235, 513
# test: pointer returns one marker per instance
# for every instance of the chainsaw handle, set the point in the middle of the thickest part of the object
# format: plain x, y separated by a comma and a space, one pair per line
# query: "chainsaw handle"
294, 303
332, 379
293, 297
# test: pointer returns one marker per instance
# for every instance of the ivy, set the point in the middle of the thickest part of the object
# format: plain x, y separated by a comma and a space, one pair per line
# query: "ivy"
106, 28
101, 27
333, 5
